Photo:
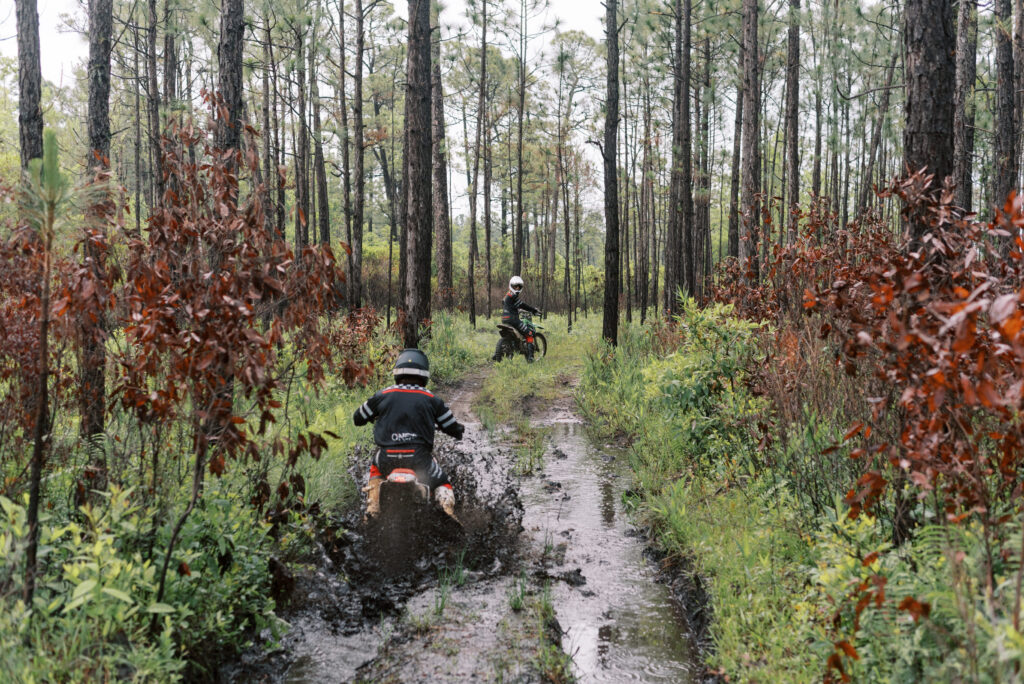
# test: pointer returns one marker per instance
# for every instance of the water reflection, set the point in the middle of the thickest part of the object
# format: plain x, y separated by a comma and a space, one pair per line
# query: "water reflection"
621, 625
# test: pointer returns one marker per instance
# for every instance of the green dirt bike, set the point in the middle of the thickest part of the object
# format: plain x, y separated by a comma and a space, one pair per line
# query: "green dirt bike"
513, 342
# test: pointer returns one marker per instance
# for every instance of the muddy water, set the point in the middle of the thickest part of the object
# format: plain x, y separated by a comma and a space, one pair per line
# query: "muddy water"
621, 625
351, 621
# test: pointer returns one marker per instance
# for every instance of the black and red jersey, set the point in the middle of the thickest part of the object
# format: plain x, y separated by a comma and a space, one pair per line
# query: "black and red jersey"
510, 306
406, 415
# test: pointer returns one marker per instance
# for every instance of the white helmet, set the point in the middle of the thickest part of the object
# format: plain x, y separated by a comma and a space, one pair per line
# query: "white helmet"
515, 284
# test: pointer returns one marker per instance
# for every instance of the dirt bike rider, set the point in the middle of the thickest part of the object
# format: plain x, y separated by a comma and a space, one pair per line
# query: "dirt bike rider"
405, 416
510, 306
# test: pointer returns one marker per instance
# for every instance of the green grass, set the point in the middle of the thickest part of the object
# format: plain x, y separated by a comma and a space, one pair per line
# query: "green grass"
516, 390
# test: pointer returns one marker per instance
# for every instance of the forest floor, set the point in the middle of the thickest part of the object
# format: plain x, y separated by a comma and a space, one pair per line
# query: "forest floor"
548, 580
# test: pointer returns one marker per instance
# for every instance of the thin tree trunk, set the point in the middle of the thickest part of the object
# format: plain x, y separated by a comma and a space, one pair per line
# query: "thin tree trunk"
440, 168
1006, 134
610, 320
963, 106
92, 331
358, 172
154, 109
229, 69
734, 183
751, 133
792, 117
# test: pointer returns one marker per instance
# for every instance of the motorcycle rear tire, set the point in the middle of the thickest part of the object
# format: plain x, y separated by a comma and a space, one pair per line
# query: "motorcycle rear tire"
504, 350
540, 345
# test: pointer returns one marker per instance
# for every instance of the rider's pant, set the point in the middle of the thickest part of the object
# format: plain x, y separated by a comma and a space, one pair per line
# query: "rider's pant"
417, 458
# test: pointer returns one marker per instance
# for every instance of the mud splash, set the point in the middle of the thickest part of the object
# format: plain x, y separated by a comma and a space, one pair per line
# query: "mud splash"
471, 608
341, 610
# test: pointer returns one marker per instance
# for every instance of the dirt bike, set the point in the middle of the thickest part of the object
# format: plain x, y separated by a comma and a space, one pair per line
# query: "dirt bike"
513, 342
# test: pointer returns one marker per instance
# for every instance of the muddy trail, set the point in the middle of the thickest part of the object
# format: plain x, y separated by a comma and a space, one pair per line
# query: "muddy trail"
547, 580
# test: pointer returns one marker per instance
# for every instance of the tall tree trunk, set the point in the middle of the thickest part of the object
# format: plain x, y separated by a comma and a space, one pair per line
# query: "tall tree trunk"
358, 172
323, 211
154, 109
30, 83
471, 191
346, 167
1006, 135
963, 106
171, 52
440, 168
751, 157
610, 321
229, 69
419, 213
930, 78
685, 272
301, 151
518, 238
734, 184
876, 136
92, 331
792, 117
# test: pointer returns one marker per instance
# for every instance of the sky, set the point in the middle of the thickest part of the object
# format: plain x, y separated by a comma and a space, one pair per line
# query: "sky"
61, 50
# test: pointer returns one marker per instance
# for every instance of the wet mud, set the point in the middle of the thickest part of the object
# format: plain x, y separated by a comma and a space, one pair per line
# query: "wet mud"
467, 604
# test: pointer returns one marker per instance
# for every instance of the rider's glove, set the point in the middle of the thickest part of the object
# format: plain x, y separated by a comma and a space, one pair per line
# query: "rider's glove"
458, 430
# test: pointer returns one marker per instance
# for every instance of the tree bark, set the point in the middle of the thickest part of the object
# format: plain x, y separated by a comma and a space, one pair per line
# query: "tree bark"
1006, 135
92, 331
229, 65
301, 151
30, 83
358, 172
419, 212
751, 158
792, 117
153, 101
930, 78
734, 183
440, 168
610, 320
963, 106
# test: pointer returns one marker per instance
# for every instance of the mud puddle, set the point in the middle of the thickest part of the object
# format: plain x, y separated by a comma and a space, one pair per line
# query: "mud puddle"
478, 608
620, 624
346, 606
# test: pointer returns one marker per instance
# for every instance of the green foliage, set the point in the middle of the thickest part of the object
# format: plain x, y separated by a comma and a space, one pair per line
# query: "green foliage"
90, 620
93, 603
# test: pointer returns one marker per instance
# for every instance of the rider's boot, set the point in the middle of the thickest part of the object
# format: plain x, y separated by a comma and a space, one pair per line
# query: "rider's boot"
372, 490
445, 498
529, 349
499, 350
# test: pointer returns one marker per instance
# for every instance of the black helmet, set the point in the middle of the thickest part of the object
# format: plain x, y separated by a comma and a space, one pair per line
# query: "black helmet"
412, 362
